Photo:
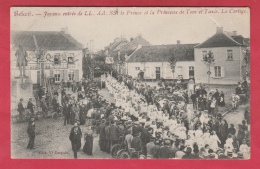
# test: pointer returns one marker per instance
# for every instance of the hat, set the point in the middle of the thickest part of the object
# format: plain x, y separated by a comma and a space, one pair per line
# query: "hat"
168, 141
240, 155
211, 155
136, 123
229, 153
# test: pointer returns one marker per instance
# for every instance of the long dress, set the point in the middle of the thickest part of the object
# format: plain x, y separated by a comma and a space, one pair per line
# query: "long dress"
214, 142
88, 147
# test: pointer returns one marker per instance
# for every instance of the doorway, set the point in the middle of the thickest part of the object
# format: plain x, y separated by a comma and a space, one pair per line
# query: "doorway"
158, 73
191, 72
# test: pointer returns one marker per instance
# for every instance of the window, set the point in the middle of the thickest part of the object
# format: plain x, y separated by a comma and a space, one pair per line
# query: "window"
70, 60
57, 59
71, 75
229, 54
137, 68
57, 75
217, 70
204, 54
191, 68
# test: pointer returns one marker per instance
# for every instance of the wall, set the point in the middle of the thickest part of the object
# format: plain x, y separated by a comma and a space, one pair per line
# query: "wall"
231, 69
165, 69
32, 68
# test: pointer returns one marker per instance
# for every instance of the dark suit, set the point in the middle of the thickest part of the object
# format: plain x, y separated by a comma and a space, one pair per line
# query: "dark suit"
31, 134
145, 137
75, 138
20, 108
30, 107
137, 143
102, 137
113, 134
66, 113
107, 138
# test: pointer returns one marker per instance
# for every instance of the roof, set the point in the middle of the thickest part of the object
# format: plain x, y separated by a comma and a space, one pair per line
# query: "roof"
219, 40
139, 40
48, 40
161, 53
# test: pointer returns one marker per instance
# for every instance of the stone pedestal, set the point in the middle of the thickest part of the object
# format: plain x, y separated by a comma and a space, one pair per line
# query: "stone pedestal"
21, 87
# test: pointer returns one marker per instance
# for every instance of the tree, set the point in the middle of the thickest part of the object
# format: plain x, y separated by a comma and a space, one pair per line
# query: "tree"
86, 64
172, 59
209, 60
247, 61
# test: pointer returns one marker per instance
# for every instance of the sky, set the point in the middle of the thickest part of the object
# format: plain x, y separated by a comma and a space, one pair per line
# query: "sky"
163, 26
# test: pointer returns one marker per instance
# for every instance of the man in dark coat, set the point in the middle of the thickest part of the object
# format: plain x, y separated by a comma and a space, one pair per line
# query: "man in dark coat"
223, 132
30, 106
137, 142
107, 137
41, 93
31, 133
66, 113
167, 150
145, 137
113, 134
240, 134
20, 108
102, 136
75, 138
231, 130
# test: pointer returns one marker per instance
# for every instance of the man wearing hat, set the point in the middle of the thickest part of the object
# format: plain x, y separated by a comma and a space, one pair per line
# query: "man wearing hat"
20, 108
137, 142
167, 150
150, 147
31, 133
75, 138
145, 137
30, 106
102, 135
44, 105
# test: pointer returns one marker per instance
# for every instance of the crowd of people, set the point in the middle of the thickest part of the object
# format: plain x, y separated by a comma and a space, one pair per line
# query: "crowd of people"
156, 122
165, 128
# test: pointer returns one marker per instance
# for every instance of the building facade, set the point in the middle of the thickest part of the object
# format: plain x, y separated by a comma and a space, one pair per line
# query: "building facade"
154, 61
229, 67
229, 53
62, 57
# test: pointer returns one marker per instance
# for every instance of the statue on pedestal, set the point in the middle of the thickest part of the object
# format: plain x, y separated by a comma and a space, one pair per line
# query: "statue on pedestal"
21, 55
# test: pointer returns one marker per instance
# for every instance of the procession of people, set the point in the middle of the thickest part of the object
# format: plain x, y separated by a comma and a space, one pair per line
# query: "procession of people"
153, 122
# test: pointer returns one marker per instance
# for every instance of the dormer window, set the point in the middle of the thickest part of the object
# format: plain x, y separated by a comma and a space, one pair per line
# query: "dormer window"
229, 54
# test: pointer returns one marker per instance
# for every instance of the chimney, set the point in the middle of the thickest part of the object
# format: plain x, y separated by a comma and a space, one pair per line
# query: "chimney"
219, 30
65, 30
234, 33
178, 42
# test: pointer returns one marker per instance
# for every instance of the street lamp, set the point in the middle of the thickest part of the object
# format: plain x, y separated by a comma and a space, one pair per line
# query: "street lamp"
209, 60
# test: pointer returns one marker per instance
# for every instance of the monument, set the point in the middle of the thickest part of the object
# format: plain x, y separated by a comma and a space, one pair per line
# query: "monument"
21, 86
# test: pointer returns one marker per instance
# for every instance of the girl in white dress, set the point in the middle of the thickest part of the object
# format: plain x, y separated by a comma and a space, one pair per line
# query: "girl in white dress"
214, 140
229, 143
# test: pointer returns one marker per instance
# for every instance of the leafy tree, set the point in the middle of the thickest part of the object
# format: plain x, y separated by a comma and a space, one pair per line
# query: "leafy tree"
209, 60
247, 61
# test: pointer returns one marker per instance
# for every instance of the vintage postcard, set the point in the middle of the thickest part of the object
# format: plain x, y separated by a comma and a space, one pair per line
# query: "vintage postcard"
130, 83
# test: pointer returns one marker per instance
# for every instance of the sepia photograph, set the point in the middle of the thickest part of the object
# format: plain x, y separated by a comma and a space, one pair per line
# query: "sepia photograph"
130, 83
